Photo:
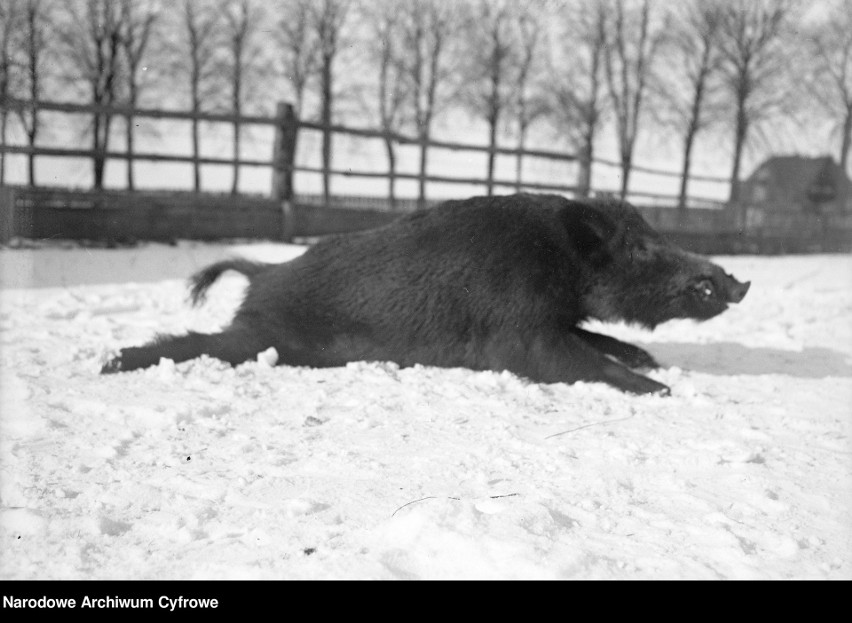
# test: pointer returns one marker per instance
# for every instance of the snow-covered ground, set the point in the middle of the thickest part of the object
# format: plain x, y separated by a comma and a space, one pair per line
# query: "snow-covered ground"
203, 471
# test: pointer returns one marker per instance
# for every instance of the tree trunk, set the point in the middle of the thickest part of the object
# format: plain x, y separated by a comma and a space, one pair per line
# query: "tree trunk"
519, 163
195, 87
129, 132
492, 145
326, 132
235, 185
845, 188
687, 158
35, 88
196, 166
424, 147
391, 174
691, 132
626, 166
98, 160
584, 175
32, 134
739, 143
236, 105
99, 173
3, 118
31, 168
846, 141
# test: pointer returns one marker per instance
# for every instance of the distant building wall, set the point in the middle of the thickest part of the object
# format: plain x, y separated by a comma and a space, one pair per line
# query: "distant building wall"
799, 184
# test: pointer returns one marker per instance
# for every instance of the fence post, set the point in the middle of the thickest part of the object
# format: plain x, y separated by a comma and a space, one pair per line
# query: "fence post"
283, 159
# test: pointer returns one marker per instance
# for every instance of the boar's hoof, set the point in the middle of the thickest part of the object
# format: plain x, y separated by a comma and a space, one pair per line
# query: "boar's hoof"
112, 366
635, 357
628, 381
628, 354
648, 386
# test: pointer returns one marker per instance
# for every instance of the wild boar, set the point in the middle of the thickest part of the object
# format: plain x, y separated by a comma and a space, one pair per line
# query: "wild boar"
487, 283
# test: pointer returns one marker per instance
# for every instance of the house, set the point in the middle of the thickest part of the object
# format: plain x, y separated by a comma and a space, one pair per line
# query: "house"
799, 184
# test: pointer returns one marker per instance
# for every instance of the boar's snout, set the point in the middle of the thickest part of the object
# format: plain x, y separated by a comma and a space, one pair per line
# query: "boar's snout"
736, 290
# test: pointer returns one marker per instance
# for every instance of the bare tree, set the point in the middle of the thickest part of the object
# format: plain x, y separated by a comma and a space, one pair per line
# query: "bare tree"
694, 65
576, 82
755, 59
92, 40
632, 46
37, 25
298, 47
11, 17
138, 19
26, 43
491, 68
242, 21
831, 86
328, 18
194, 53
528, 103
386, 49
429, 26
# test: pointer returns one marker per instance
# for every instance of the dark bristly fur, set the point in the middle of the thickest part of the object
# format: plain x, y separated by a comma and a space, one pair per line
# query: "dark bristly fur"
488, 283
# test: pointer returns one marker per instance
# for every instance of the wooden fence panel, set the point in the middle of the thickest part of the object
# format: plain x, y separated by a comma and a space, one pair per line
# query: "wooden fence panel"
118, 216
7, 213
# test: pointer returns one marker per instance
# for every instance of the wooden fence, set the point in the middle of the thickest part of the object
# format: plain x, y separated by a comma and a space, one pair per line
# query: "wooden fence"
117, 216
283, 160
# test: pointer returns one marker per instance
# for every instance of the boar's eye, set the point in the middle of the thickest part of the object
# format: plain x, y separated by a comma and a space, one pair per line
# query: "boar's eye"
704, 289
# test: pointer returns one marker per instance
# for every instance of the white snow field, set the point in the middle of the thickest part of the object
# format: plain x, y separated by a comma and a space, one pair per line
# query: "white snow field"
202, 471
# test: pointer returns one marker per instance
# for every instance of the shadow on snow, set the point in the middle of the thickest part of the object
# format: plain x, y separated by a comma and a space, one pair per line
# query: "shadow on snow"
728, 358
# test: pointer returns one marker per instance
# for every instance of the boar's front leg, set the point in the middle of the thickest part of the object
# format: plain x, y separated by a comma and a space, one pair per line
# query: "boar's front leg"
628, 354
570, 359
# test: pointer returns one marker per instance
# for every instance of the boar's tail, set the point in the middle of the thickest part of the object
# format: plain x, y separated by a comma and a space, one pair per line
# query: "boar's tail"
202, 280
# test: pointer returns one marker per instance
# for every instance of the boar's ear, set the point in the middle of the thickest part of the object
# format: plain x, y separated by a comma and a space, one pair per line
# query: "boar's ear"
595, 234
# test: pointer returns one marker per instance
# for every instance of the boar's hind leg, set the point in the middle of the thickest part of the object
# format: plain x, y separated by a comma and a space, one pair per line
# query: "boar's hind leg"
628, 354
573, 359
231, 346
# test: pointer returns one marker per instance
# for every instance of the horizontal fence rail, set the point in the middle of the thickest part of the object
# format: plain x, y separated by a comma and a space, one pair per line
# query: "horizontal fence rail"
66, 152
125, 111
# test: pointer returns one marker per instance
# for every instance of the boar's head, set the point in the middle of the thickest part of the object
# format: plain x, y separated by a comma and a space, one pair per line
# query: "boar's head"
637, 276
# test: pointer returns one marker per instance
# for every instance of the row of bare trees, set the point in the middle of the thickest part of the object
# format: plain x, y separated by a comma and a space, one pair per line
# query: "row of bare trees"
524, 68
